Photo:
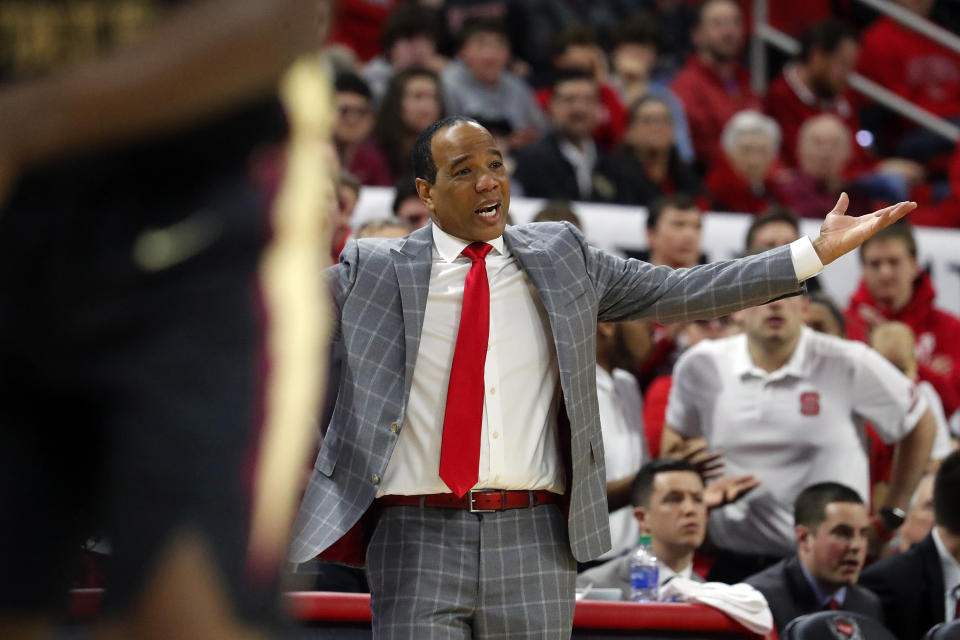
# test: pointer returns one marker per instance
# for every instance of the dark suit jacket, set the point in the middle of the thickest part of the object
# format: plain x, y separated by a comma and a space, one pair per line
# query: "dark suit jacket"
789, 594
545, 173
910, 586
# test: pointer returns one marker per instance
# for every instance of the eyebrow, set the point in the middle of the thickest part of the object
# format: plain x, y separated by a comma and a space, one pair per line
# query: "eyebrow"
466, 156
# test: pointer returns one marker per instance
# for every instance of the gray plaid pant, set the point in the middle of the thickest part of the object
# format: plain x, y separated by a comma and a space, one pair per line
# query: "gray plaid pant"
452, 574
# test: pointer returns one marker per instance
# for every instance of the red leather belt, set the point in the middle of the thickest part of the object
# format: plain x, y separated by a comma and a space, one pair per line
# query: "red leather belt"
476, 501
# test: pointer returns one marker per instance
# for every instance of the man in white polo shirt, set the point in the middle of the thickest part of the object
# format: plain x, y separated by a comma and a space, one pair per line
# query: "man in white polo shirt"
786, 404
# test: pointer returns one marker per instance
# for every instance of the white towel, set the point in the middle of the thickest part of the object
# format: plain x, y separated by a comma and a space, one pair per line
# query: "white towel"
741, 602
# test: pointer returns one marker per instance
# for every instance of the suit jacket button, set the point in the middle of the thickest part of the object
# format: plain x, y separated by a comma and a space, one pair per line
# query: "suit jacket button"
376, 478
395, 427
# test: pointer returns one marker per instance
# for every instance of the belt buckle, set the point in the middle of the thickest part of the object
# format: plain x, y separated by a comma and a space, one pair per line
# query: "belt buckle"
473, 509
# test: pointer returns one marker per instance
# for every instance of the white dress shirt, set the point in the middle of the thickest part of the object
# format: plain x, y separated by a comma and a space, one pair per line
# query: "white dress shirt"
621, 422
519, 447
951, 576
518, 442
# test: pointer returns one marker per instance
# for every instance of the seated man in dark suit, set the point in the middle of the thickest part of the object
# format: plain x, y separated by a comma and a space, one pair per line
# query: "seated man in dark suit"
831, 524
921, 586
566, 164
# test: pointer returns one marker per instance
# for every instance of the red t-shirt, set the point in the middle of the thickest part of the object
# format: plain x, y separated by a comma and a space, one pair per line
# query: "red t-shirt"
730, 192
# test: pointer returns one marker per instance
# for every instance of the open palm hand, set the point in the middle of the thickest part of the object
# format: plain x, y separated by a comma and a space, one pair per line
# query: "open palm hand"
840, 233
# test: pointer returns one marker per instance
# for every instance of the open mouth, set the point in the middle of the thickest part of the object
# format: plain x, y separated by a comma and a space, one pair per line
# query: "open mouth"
488, 211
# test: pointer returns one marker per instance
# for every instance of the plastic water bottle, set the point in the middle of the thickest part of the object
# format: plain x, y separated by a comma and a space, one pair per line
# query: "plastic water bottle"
644, 573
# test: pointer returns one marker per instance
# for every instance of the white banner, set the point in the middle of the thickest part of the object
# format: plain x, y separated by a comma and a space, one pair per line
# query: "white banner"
615, 228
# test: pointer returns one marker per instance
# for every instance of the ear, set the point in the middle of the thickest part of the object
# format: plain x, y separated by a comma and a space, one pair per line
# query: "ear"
804, 536
424, 191
640, 514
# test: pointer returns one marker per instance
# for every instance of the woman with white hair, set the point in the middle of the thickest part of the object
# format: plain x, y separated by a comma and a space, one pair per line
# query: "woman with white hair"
745, 177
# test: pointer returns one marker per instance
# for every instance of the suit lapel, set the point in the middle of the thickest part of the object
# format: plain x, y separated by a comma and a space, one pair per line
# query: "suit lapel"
412, 263
804, 599
539, 268
927, 550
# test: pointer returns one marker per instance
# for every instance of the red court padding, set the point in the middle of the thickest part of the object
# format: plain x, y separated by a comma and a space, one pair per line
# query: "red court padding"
324, 606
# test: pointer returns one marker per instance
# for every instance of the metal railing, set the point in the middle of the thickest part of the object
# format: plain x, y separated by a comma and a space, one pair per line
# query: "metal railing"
764, 34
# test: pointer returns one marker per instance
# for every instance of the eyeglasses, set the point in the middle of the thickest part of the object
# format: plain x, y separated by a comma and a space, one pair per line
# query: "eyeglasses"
347, 110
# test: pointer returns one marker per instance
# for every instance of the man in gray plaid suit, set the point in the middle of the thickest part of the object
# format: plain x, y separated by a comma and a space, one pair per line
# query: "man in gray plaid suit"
498, 561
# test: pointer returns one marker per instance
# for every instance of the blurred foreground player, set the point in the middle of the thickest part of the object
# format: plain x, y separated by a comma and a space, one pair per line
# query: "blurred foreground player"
154, 379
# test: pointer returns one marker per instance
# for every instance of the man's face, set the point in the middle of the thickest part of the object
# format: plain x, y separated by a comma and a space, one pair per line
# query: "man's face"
823, 149
573, 108
471, 195
675, 241
486, 54
417, 51
835, 551
828, 71
421, 103
775, 323
633, 61
354, 118
720, 34
413, 212
677, 515
771, 235
889, 271
752, 156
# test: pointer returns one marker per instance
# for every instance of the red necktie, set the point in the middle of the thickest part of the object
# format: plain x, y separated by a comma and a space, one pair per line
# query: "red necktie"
833, 605
460, 447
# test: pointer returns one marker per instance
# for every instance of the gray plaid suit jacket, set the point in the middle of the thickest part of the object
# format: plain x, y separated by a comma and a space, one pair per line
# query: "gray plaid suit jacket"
380, 293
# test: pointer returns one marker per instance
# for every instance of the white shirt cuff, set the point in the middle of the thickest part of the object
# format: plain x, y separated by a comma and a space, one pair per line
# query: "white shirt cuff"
806, 262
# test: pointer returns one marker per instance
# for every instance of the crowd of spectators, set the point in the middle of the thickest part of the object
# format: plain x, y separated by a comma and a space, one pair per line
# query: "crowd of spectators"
651, 104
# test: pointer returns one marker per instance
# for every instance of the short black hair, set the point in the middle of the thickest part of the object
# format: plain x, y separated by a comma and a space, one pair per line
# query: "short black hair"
946, 493
810, 507
352, 83
640, 28
819, 297
403, 188
473, 26
571, 36
774, 214
826, 36
641, 489
681, 201
568, 75
647, 99
424, 166
899, 230
408, 21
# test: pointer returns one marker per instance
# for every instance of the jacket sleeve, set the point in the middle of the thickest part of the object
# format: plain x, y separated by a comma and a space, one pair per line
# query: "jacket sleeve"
628, 288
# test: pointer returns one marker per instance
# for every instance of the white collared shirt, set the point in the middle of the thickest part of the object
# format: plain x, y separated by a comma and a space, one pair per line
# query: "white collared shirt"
621, 423
951, 576
518, 441
519, 448
583, 161
791, 428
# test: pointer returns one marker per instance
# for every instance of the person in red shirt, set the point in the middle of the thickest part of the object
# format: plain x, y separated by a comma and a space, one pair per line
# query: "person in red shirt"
577, 48
745, 177
714, 85
816, 83
895, 288
916, 68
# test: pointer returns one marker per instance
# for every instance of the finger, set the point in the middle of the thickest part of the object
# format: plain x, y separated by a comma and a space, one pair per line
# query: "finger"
709, 474
842, 202
895, 211
692, 453
709, 457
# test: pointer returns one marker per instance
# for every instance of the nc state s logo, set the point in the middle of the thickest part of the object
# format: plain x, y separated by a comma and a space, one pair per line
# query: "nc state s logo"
810, 403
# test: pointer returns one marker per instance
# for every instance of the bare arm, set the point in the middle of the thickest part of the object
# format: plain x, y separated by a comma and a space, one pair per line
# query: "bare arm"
201, 59
910, 462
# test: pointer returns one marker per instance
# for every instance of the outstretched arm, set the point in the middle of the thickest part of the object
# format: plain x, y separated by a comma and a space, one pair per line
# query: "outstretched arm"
201, 59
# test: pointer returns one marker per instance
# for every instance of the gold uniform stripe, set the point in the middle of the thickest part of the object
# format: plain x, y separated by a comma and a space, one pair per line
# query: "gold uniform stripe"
297, 322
